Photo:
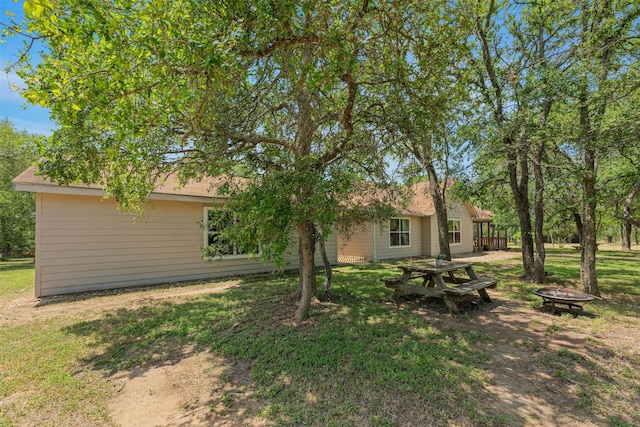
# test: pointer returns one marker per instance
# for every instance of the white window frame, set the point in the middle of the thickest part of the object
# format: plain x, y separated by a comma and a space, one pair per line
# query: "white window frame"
205, 223
399, 232
452, 232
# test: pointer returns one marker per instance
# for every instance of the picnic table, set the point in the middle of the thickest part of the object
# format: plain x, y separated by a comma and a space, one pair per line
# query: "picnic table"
434, 284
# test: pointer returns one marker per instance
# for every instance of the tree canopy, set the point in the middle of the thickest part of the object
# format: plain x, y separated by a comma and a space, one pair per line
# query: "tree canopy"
17, 210
282, 94
306, 100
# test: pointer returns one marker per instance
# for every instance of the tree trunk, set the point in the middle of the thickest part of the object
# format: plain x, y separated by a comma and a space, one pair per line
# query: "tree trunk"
625, 236
516, 150
307, 269
298, 293
528, 261
539, 275
577, 218
520, 190
440, 205
588, 276
626, 215
327, 265
588, 239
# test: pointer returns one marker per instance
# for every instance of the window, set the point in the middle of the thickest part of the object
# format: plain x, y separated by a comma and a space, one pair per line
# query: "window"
454, 231
399, 234
216, 243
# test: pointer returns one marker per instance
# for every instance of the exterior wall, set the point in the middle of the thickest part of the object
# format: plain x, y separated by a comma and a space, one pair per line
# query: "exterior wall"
358, 244
424, 238
84, 243
430, 247
459, 212
433, 244
385, 251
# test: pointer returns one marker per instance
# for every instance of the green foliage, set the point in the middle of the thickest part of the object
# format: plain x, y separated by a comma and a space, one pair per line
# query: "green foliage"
280, 95
17, 210
255, 90
578, 61
149, 92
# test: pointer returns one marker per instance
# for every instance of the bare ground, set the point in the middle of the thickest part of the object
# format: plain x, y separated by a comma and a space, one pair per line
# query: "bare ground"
189, 391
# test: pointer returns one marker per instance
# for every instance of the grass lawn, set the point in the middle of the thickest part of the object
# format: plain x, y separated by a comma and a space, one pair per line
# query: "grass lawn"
360, 360
16, 276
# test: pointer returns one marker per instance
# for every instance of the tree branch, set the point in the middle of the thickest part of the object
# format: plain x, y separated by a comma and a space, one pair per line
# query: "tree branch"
352, 88
280, 42
259, 139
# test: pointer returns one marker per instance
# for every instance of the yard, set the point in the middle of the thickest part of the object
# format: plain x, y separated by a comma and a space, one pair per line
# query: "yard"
227, 353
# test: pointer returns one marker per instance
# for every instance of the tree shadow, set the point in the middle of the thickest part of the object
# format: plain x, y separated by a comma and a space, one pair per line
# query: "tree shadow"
367, 360
355, 351
16, 264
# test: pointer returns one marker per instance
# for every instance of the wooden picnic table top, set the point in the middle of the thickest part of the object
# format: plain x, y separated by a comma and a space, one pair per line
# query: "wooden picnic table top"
432, 268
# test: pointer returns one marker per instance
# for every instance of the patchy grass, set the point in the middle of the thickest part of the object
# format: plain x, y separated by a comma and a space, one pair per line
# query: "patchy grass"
16, 275
360, 360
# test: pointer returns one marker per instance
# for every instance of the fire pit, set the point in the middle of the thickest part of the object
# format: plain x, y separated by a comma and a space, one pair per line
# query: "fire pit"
569, 297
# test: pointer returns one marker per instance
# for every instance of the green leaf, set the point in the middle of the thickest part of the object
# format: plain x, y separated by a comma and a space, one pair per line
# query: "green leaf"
29, 8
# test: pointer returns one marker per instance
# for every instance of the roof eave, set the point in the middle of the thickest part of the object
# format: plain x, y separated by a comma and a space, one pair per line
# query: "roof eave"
97, 192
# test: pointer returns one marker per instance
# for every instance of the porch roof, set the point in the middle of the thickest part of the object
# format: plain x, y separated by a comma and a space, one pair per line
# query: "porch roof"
482, 215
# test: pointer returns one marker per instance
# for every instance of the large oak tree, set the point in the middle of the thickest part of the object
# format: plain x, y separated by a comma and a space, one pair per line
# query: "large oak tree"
279, 93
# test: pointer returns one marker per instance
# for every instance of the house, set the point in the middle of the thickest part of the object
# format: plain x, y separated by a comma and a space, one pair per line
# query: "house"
414, 233
83, 243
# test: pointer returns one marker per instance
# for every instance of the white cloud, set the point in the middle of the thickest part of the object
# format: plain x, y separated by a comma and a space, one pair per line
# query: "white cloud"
7, 90
38, 127
32, 118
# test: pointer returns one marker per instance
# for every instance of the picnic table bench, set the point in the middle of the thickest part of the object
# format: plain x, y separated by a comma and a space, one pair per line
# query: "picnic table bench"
392, 282
434, 285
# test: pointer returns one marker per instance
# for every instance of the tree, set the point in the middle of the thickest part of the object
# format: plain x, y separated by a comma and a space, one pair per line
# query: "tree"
623, 167
605, 68
519, 61
17, 210
424, 96
618, 188
278, 93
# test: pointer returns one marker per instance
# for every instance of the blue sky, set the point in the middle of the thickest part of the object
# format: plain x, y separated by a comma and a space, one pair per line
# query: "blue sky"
33, 119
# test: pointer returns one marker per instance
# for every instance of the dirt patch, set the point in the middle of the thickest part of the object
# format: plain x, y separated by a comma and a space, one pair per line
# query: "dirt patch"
164, 395
194, 391
191, 389
25, 308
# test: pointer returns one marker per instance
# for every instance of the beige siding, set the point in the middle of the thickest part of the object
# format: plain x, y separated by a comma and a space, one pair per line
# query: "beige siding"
358, 244
38, 270
84, 243
433, 246
385, 251
424, 238
459, 212
429, 237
